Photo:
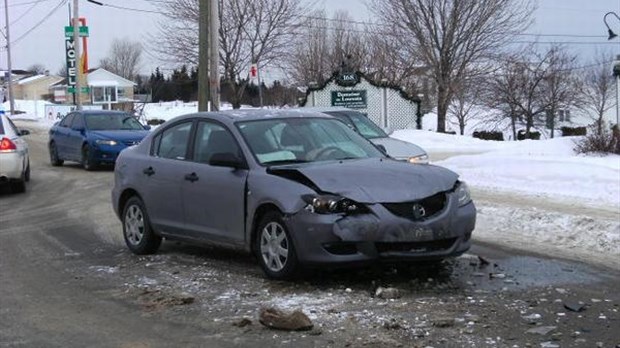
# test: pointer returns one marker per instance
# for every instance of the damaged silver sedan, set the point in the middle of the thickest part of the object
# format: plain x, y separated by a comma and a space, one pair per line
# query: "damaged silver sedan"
295, 188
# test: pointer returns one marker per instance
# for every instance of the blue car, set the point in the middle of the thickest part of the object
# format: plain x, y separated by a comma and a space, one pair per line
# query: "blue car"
93, 137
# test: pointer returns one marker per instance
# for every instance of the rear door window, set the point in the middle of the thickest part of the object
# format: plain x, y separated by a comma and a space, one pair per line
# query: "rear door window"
78, 122
66, 122
173, 142
213, 138
12, 126
1, 125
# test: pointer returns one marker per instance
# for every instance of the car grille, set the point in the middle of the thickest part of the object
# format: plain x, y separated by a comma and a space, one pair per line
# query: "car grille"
420, 247
419, 210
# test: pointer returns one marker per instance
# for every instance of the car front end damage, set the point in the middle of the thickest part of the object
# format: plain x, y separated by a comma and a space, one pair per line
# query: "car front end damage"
336, 230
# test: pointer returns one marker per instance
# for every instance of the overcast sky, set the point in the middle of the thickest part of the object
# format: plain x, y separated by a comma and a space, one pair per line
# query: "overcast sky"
43, 43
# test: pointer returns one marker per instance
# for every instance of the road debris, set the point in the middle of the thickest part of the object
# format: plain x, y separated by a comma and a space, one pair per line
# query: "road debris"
574, 306
387, 293
541, 330
274, 318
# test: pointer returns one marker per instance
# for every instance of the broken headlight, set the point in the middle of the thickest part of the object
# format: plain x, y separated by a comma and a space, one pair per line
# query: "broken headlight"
422, 159
462, 193
327, 204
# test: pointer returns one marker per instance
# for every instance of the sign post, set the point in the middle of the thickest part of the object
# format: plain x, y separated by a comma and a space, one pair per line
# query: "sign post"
73, 61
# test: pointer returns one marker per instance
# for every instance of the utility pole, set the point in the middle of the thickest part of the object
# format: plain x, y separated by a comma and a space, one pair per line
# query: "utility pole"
260, 87
76, 43
214, 55
203, 55
8, 52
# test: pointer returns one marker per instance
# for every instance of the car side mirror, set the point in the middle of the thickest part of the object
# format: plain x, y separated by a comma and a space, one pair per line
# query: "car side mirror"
227, 159
147, 127
24, 132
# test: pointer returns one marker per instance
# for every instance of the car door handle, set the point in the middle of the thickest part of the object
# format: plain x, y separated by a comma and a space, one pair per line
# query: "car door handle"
191, 177
148, 171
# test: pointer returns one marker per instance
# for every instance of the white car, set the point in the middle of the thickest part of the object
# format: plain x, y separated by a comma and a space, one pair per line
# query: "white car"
14, 160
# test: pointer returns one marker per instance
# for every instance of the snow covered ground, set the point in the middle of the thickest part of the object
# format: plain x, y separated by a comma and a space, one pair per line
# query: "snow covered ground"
545, 171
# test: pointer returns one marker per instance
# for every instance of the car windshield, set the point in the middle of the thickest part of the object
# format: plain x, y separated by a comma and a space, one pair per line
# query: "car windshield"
362, 124
112, 122
295, 140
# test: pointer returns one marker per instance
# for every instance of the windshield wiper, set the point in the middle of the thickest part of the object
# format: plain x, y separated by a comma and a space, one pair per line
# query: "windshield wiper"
286, 161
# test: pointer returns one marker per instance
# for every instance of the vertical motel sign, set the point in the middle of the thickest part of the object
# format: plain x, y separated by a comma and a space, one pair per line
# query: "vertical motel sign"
73, 62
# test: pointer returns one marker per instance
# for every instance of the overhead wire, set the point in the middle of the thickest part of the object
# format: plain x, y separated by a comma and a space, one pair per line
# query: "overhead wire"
26, 12
60, 4
24, 3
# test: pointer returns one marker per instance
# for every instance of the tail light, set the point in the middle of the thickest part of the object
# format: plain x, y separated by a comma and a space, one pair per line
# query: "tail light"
6, 145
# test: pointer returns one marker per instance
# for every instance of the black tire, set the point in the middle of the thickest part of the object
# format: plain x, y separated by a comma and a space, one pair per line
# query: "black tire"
18, 186
54, 159
137, 231
87, 159
27, 173
274, 263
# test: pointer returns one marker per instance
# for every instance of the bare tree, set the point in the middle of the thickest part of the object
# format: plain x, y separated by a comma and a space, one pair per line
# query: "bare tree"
322, 45
532, 84
250, 31
560, 88
598, 89
62, 70
453, 37
463, 105
307, 62
38, 69
503, 92
123, 59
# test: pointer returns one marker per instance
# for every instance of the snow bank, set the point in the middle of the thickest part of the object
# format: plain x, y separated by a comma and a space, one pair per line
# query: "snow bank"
552, 233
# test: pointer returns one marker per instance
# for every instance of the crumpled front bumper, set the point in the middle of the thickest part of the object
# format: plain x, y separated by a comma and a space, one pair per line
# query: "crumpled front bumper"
381, 235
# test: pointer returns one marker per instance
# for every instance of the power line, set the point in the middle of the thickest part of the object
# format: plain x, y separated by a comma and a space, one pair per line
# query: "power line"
26, 12
60, 4
25, 3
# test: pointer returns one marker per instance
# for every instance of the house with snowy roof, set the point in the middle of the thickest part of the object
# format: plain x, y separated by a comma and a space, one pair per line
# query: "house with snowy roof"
105, 88
35, 87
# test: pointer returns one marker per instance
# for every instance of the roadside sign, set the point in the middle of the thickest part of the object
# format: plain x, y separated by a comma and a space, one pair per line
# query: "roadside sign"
350, 99
83, 31
254, 71
72, 90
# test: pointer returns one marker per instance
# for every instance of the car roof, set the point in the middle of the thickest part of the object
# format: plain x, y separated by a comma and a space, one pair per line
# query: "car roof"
325, 108
102, 112
258, 114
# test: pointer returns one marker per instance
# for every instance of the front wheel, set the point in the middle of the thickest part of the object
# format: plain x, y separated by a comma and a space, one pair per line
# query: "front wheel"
139, 236
87, 159
54, 159
275, 249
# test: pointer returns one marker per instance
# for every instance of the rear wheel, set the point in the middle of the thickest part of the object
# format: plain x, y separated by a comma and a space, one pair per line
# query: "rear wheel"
54, 159
18, 186
139, 236
27, 174
275, 249
87, 159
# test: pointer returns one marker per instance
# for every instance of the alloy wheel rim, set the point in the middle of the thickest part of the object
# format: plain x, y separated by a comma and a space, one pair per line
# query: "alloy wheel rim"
274, 246
134, 225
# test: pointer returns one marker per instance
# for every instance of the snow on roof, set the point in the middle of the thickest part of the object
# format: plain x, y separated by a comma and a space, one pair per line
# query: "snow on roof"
30, 79
103, 83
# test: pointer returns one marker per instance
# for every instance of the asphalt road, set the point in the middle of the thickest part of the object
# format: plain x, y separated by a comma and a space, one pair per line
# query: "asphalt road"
66, 280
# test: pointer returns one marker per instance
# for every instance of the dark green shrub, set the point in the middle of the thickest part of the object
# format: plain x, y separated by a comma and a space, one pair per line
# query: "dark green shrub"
573, 131
533, 135
485, 135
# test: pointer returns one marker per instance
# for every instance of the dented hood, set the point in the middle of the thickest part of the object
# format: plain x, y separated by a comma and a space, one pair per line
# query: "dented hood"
371, 180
